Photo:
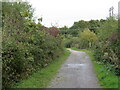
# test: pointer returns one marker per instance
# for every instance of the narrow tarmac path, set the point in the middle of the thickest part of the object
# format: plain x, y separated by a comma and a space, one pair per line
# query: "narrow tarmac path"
76, 72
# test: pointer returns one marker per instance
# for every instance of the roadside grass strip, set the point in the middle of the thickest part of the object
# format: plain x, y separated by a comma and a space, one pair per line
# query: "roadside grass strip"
43, 77
107, 79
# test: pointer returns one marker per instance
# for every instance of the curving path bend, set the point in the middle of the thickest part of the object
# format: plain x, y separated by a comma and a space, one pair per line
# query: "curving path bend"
76, 72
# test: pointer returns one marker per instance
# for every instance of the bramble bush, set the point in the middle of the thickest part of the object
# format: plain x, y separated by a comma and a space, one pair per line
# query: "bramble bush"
26, 46
107, 49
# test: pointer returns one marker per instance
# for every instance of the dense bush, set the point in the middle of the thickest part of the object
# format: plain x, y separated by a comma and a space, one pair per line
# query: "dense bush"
86, 39
105, 41
53, 31
72, 32
108, 47
92, 25
72, 42
107, 29
26, 45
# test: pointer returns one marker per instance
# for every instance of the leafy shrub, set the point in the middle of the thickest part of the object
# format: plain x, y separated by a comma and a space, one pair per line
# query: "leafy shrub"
108, 47
26, 46
53, 31
88, 39
107, 54
107, 29
72, 42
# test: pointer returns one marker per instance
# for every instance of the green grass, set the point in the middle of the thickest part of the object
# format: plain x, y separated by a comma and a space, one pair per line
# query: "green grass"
43, 77
106, 78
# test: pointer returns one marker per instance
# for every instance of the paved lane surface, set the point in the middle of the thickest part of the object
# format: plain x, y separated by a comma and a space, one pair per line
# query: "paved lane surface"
76, 72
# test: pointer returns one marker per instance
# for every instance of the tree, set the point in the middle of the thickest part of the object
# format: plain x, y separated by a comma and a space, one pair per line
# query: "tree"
88, 38
64, 28
53, 31
107, 28
94, 25
80, 25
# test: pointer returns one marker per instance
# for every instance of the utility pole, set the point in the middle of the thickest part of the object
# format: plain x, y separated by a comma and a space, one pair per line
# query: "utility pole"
111, 12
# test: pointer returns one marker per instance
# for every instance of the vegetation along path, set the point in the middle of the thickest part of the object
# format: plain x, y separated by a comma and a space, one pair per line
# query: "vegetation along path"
76, 72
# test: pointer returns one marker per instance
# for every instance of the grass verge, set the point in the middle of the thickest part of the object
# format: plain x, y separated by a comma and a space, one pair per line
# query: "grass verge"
106, 78
43, 77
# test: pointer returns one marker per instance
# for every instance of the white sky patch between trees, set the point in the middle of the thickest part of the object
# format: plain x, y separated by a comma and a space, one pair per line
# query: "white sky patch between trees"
66, 12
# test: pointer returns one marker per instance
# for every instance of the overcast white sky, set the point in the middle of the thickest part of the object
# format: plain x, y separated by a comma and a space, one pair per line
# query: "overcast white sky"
66, 12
